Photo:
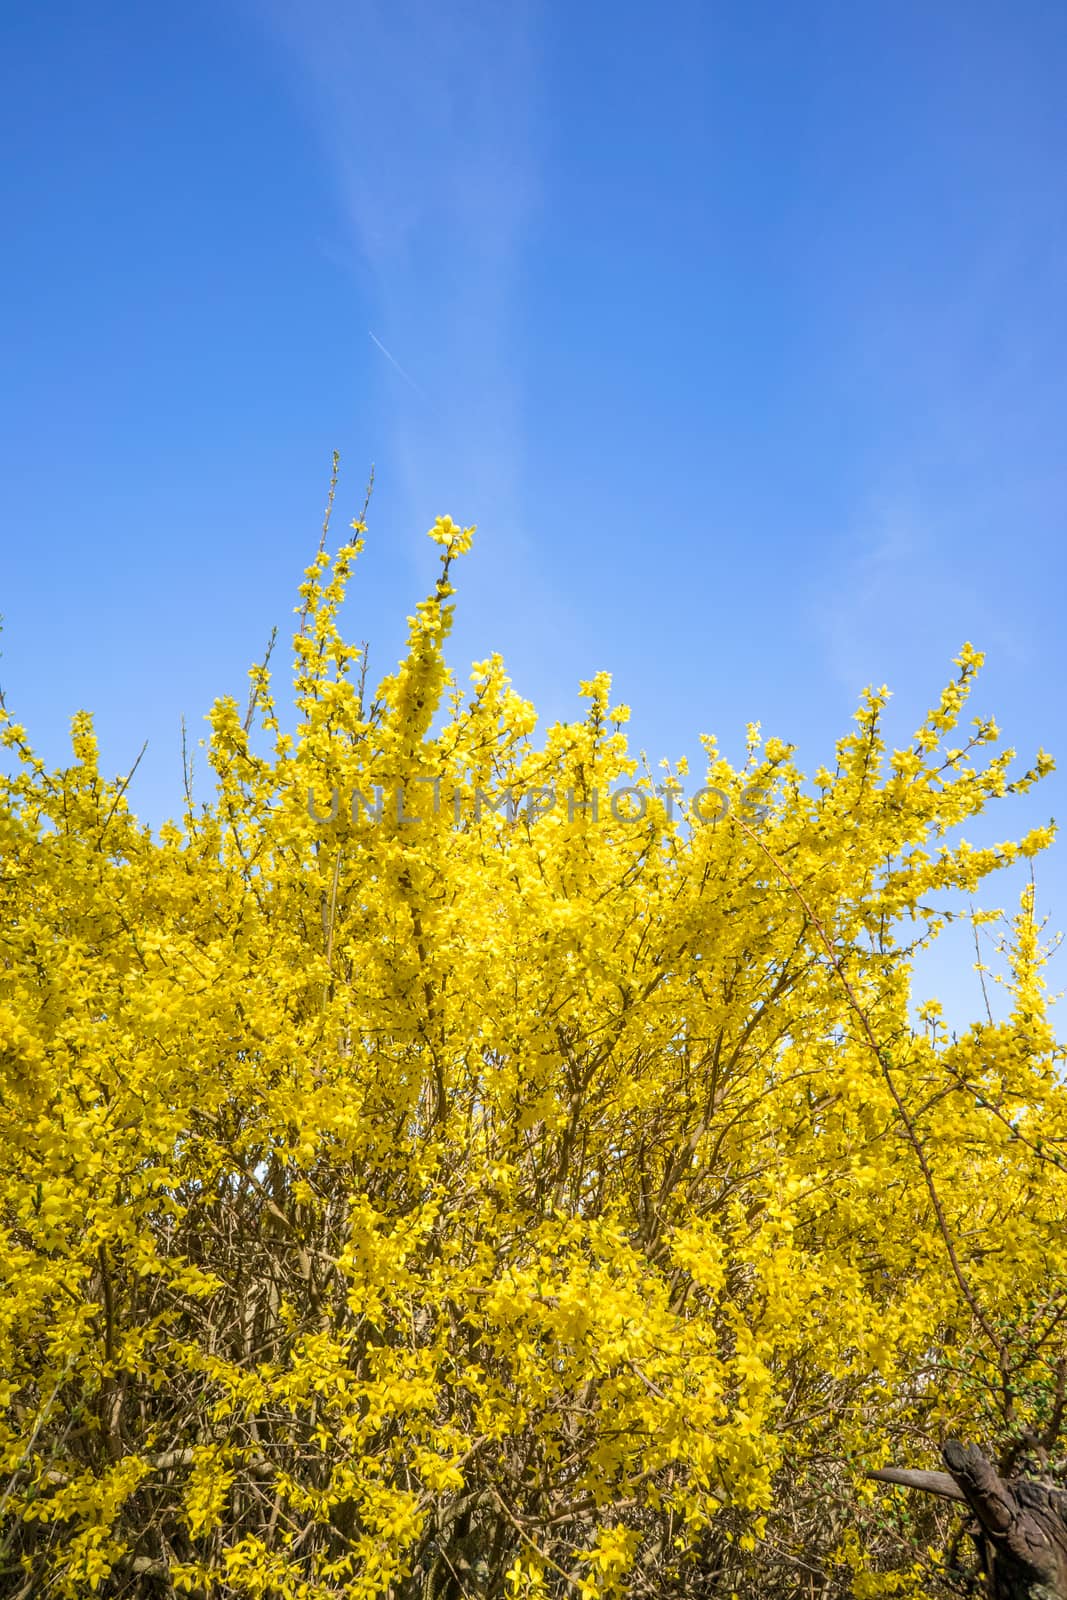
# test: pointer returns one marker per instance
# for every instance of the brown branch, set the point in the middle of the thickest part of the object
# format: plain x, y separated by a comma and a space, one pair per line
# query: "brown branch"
940, 1483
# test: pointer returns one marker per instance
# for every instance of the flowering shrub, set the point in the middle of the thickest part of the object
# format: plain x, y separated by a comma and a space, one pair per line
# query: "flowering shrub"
543, 1204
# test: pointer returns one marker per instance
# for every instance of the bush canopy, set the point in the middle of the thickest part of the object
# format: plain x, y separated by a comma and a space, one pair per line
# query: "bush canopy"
446, 1164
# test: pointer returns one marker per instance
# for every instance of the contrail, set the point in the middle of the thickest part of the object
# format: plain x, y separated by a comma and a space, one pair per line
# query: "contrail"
389, 357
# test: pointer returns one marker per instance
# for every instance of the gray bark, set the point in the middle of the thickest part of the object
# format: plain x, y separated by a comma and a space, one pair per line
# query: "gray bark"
1021, 1526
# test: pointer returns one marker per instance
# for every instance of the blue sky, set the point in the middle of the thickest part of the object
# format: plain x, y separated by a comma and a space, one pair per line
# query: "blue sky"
739, 329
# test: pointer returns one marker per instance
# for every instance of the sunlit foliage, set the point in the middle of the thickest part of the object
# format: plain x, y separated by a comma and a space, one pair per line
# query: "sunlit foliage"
474, 1200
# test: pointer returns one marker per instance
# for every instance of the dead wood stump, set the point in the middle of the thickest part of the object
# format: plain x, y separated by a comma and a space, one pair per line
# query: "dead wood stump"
1021, 1526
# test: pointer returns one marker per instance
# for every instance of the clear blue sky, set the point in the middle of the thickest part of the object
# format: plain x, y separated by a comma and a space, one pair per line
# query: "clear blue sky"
739, 329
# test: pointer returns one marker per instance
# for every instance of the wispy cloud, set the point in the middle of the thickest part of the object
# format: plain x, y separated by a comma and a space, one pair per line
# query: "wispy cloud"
388, 354
427, 116
896, 599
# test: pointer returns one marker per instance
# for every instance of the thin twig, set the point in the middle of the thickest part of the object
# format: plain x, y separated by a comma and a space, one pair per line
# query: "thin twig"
980, 969
253, 693
325, 530
123, 786
187, 769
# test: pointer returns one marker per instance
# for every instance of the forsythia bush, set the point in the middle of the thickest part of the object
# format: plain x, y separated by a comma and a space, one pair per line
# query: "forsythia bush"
427, 1170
